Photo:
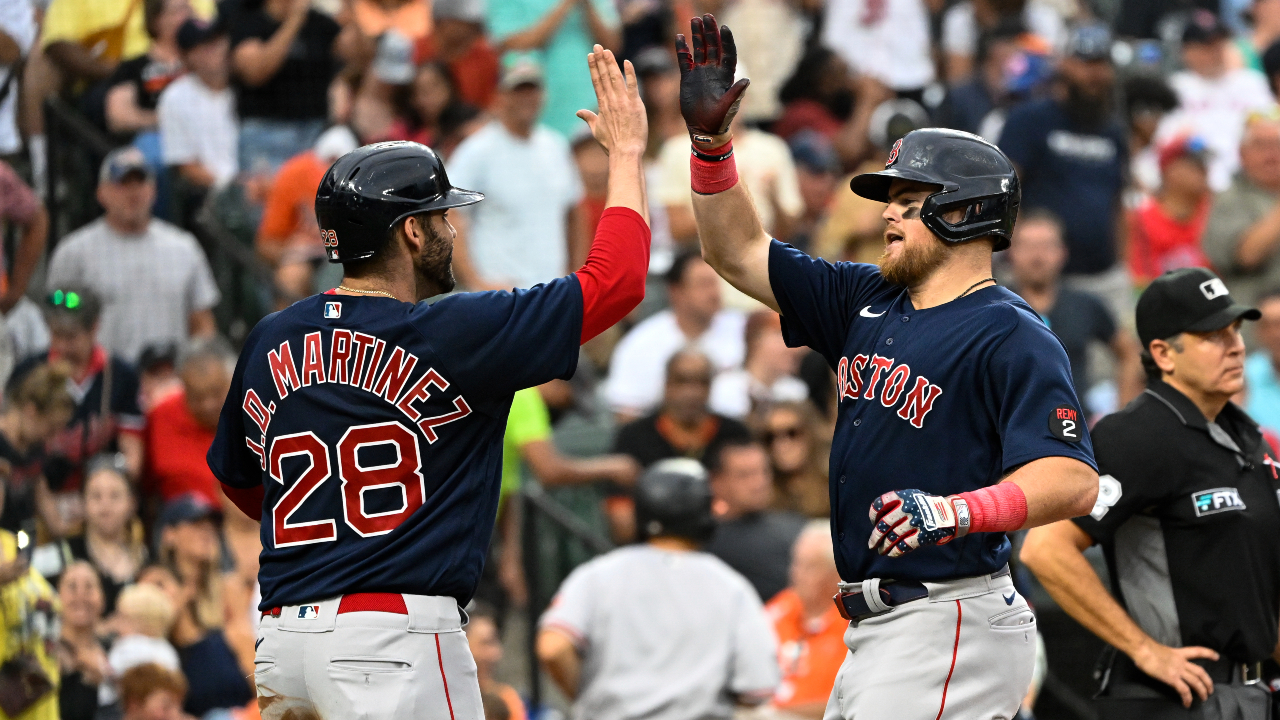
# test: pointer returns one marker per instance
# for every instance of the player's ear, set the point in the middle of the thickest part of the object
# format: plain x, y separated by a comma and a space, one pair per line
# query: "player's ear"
414, 233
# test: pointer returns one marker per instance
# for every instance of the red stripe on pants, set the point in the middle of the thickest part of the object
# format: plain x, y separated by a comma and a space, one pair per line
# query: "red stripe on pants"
955, 650
446, 681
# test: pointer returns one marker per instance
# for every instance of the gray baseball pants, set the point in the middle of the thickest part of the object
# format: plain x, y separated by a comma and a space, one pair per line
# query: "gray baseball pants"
965, 652
368, 665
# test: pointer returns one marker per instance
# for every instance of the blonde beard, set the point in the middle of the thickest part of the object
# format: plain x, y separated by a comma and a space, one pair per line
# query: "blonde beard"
914, 263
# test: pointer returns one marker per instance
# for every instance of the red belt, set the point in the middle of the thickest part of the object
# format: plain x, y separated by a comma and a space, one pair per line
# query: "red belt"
363, 602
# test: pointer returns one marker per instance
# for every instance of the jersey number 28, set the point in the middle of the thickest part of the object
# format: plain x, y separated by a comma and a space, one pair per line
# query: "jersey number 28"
405, 473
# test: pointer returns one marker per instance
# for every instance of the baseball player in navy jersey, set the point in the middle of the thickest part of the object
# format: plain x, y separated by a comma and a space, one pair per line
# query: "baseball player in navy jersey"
957, 419
365, 427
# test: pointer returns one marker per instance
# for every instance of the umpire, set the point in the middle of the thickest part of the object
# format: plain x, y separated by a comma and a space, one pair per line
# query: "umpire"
1188, 518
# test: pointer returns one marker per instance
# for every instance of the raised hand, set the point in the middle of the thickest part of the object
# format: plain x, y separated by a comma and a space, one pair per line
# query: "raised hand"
709, 98
621, 126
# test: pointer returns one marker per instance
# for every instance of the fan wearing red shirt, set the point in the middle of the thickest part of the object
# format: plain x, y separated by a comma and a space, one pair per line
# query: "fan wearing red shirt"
809, 627
181, 428
1166, 228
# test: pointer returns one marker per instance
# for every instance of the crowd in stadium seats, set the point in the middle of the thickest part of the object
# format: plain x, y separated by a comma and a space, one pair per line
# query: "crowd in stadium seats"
1146, 134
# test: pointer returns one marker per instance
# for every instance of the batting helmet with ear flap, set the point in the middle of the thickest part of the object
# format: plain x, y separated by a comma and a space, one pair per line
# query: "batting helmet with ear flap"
673, 497
971, 174
370, 189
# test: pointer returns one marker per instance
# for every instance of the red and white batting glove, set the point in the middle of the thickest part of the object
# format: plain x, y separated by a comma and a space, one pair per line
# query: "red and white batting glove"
903, 520
709, 97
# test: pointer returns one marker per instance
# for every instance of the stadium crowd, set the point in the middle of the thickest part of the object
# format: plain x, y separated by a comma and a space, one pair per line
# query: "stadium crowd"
1146, 134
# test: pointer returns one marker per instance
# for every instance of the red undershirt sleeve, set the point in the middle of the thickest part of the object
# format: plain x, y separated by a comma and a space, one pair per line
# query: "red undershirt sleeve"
248, 500
612, 278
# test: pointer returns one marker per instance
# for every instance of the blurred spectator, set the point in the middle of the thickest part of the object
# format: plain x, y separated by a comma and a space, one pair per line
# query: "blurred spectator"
486, 648
818, 96
971, 102
135, 86
557, 34
818, 177
104, 387
1071, 156
459, 42
1214, 99
659, 80
144, 616
1264, 29
181, 428
772, 36
809, 627
87, 39
659, 629
19, 207
410, 19
526, 233
198, 127
799, 455
152, 692
1077, 318
964, 23
381, 90
750, 537
17, 36
157, 376
112, 541
284, 55
1147, 99
683, 426
1165, 230
1242, 237
212, 615
1147, 19
768, 374
29, 624
593, 170
884, 41
765, 166
1262, 368
34, 410
433, 115
288, 237
81, 655
155, 281
695, 318
1271, 67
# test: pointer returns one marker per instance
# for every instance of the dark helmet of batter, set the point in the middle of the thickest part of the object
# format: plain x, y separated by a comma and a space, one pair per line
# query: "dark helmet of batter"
971, 174
673, 497
370, 189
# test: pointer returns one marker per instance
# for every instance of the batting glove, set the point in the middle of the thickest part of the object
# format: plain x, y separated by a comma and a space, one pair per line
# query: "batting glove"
709, 97
904, 520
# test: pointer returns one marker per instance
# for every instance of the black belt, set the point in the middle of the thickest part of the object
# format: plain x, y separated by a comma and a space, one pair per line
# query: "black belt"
881, 596
1121, 677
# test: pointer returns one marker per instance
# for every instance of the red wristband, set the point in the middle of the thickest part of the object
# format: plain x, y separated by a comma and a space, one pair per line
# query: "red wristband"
713, 176
998, 508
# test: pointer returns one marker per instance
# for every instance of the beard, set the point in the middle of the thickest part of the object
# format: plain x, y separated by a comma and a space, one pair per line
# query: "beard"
916, 261
1086, 110
434, 265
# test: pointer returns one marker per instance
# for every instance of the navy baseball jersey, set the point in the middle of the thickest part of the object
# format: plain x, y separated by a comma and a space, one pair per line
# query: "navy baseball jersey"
376, 428
946, 400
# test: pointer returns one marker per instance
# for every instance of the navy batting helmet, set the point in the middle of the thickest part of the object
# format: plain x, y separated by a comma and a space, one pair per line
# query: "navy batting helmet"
371, 189
971, 174
673, 498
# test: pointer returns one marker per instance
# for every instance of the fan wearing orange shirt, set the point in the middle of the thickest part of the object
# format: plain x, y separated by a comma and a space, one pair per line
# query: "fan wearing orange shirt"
809, 627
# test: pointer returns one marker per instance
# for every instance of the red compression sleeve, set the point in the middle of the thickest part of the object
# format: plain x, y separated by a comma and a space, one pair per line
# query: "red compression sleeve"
612, 278
708, 177
249, 501
998, 508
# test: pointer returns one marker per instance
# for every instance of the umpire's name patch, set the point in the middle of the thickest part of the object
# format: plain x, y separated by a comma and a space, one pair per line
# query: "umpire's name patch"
308, 612
1211, 502
332, 310
1065, 423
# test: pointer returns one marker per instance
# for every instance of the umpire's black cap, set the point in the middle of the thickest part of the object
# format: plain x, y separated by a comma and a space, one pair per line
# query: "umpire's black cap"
370, 189
1187, 300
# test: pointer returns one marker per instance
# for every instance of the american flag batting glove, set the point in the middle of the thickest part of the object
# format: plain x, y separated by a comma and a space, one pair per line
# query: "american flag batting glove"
903, 520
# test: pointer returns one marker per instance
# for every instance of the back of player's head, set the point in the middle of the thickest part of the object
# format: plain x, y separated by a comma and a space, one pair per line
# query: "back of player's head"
673, 499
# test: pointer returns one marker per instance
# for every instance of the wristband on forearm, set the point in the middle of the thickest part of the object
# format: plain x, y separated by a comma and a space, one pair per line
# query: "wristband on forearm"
998, 508
712, 170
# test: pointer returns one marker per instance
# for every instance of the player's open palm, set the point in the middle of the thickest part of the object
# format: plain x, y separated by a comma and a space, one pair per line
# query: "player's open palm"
1172, 666
621, 125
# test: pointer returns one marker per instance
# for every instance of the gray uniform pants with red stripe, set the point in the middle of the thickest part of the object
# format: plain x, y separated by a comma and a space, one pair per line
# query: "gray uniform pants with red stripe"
965, 652
368, 665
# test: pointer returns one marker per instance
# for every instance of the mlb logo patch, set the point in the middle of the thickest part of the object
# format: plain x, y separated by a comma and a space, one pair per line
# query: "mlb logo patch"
1213, 289
308, 612
332, 310
1211, 502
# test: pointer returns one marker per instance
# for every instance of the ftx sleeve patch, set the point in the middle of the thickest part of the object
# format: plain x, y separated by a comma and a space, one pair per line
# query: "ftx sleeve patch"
1065, 423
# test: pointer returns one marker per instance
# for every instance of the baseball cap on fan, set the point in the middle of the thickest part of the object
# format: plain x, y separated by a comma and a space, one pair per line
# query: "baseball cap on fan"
1090, 41
1204, 27
1187, 300
195, 32
523, 72
123, 162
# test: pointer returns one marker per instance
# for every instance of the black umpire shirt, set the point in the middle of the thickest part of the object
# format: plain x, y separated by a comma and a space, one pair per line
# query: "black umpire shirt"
1188, 515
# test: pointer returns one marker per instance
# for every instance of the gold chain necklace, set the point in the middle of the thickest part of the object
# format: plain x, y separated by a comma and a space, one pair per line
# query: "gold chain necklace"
369, 292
